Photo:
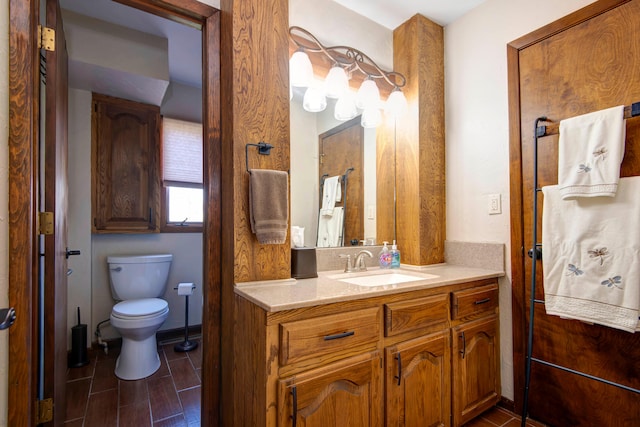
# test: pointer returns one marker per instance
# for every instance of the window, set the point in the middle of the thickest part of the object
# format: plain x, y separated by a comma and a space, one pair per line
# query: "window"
183, 197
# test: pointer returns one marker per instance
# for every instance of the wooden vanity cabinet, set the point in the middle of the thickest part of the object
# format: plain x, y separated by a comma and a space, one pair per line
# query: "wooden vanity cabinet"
125, 166
475, 352
342, 364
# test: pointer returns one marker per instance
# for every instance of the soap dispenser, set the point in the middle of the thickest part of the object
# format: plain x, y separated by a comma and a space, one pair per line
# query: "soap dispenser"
395, 256
385, 256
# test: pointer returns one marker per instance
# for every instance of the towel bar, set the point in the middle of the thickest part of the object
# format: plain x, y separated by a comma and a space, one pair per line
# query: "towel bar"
263, 149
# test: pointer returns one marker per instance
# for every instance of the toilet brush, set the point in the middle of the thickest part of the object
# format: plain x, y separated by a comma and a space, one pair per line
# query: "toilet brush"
78, 356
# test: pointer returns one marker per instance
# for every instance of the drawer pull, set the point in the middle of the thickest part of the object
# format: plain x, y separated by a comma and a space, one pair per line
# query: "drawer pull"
338, 336
294, 395
482, 301
399, 376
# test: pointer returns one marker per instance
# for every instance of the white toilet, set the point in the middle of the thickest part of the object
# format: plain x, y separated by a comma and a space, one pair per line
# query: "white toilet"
137, 282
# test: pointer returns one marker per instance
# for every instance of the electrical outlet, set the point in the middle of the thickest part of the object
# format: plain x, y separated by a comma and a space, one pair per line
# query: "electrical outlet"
372, 212
495, 204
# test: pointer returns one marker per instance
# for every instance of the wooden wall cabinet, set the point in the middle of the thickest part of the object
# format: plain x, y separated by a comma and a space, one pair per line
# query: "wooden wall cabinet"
125, 170
322, 365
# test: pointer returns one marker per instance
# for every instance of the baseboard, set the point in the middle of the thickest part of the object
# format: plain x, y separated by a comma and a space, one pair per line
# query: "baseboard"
176, 335
507, 404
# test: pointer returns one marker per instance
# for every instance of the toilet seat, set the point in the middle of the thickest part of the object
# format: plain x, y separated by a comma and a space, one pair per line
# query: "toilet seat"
140, 309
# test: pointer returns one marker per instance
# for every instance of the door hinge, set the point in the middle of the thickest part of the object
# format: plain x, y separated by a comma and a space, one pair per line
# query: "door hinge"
44, 411
45, 223
46, 38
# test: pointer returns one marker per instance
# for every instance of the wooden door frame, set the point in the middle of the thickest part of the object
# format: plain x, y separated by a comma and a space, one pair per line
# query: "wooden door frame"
23, 170
518, 259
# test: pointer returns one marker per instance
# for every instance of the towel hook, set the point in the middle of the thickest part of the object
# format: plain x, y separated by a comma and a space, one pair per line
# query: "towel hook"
263, 149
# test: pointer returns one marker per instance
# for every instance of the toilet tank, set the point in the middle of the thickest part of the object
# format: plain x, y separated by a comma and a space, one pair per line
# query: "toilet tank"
138, 276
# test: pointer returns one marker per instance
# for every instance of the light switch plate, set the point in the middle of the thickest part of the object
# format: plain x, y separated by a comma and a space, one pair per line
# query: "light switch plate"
495, 204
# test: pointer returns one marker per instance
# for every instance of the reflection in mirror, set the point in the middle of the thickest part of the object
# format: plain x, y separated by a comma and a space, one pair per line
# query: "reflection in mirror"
321, 145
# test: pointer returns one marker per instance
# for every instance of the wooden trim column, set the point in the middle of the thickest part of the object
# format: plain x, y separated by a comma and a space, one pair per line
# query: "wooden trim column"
255, 107
418, 53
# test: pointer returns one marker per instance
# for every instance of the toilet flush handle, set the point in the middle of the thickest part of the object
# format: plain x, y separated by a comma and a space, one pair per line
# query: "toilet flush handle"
116, 269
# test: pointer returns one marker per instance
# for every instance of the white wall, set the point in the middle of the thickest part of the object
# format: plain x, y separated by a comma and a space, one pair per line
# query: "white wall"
477, 129
4, 200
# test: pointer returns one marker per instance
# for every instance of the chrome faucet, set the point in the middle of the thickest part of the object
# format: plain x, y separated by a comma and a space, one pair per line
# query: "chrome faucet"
348, 268
359, 264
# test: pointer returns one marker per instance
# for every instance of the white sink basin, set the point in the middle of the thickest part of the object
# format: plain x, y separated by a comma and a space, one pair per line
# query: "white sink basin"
391, 278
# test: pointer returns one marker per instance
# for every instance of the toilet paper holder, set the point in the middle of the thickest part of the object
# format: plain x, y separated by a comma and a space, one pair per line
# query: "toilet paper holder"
185, 290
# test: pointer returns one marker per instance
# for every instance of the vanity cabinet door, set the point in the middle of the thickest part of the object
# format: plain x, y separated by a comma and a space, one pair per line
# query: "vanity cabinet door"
476, 368
345, 393
126, 166
418, 382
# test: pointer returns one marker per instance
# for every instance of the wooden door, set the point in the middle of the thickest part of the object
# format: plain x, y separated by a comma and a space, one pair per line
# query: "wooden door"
476, 368
585, 62
418, 386
345, 393
55, 330
342, 148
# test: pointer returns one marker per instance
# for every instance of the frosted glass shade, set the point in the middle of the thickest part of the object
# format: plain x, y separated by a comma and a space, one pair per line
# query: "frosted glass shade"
314, 100
371, 117
396, 104
300, 69
345, 107
368, 95
336, 83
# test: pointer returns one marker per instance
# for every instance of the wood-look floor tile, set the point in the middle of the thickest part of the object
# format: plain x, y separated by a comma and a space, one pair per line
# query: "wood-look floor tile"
74, 423
184, 376
191, 405
177, 421
480, 422
171, 353
102, 409
163, 370
85, 371
498, 416
163, 398
77, 394
104, 377
132, 392
135, 415
195, 355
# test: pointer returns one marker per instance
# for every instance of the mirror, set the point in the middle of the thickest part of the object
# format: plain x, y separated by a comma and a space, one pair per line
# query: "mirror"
306, 130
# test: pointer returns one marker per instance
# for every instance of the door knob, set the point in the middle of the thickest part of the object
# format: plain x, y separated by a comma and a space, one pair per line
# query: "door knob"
7, 317
71, 252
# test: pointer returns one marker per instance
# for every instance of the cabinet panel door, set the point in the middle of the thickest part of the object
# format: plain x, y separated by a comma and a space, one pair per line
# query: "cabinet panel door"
418, 390
126, 156
476, 368
345, 393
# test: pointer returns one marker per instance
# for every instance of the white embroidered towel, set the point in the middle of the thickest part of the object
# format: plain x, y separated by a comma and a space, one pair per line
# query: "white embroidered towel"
330, 195
330, 229
591, 256
590, 151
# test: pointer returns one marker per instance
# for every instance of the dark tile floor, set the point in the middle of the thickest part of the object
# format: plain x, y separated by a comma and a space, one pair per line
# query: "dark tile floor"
169, 397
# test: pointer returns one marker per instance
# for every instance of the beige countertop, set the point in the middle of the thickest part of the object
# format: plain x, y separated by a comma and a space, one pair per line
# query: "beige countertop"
330, 287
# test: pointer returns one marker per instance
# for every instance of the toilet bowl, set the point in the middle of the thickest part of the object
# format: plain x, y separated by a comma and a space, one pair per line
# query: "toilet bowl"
137, 282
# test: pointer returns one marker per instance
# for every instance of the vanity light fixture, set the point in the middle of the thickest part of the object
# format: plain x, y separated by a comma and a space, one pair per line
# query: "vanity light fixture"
345, 61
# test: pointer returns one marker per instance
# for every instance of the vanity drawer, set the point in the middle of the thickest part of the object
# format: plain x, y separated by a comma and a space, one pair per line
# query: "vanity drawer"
415, 314
473, 301
323, 335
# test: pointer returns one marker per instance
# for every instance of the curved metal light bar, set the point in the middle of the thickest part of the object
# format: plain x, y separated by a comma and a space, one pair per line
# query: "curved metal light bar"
349, 58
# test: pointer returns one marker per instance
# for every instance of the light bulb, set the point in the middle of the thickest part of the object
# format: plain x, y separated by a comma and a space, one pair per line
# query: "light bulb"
371, 117
345, 107
336, 82
396, 105
300, 69
314, 100
368, 95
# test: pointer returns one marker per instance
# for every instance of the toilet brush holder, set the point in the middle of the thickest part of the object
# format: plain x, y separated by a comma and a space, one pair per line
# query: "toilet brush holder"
78, 356
185, 289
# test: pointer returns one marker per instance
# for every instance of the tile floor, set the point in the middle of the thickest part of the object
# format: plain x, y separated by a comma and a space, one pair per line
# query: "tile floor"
502, 418
169, 397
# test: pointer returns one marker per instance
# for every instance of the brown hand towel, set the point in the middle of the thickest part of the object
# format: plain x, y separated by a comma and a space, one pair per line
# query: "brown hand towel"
269, 205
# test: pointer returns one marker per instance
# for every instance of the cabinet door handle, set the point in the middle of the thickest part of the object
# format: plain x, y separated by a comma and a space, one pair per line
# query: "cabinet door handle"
338, 336
399, 376
482, 301
294, 395
464, 345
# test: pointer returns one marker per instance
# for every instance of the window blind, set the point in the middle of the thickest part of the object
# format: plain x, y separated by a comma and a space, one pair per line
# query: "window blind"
182, 151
